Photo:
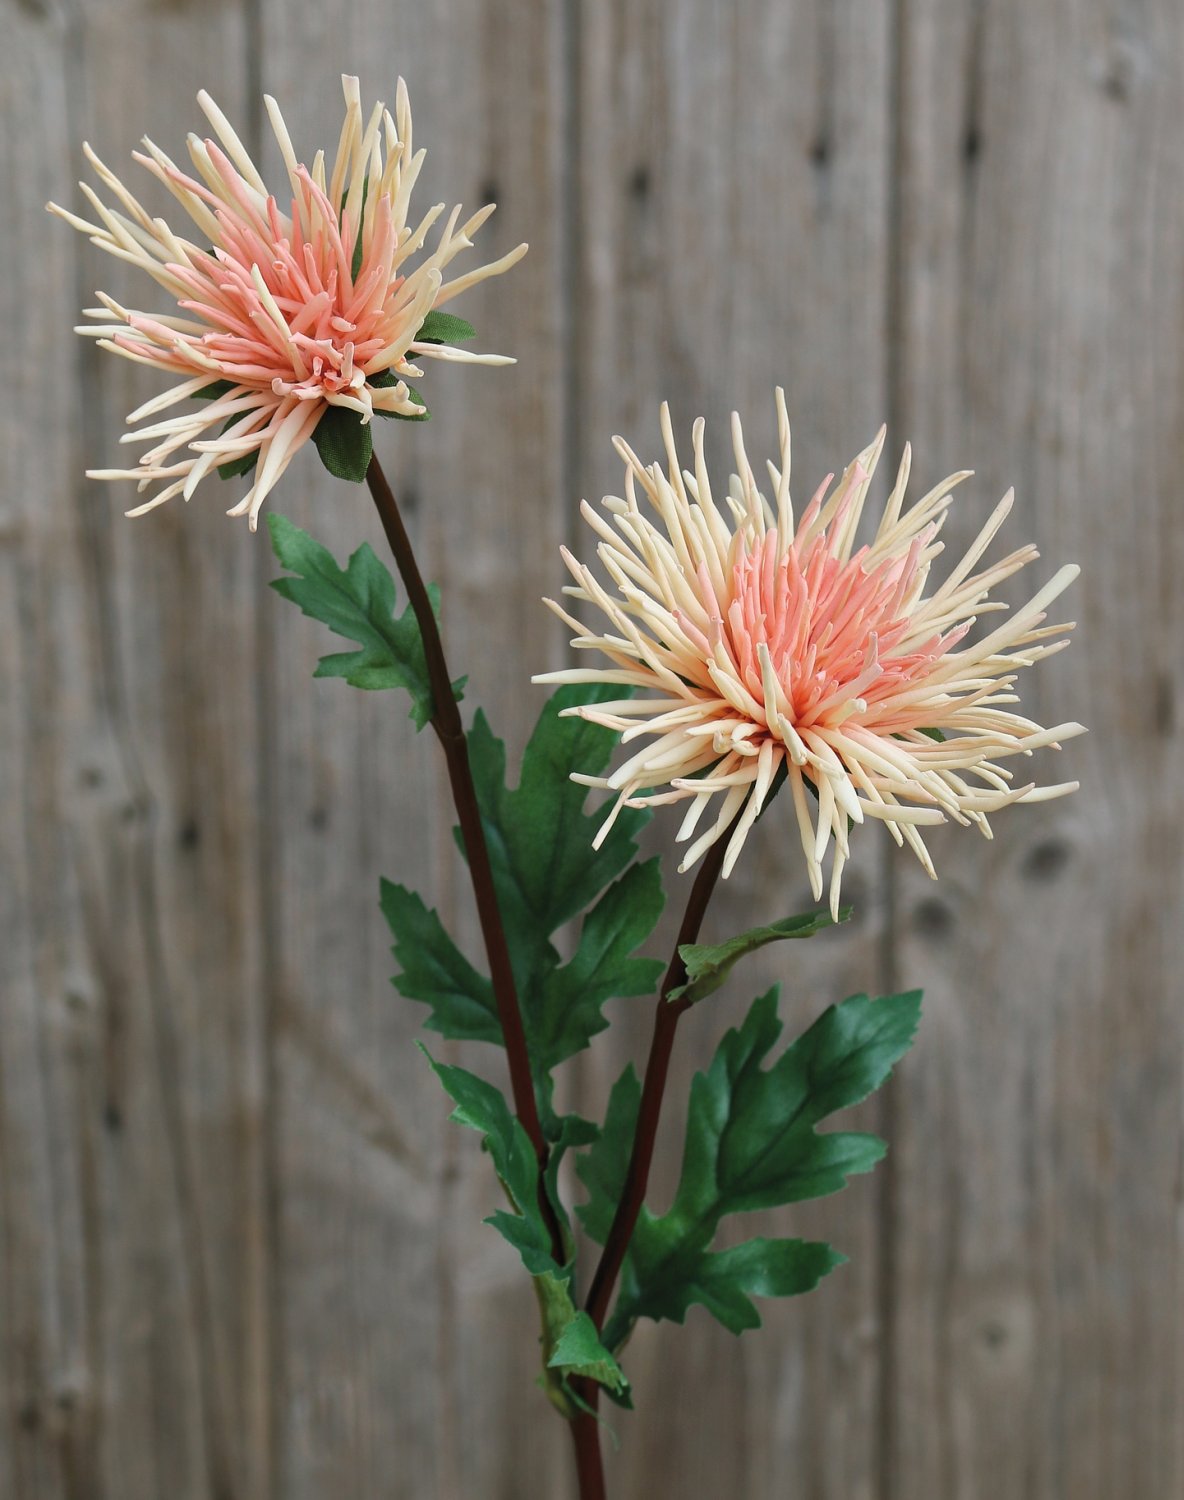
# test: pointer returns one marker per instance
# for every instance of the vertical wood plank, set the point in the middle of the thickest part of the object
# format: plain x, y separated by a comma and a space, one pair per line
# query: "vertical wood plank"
733, 235
134, 1276
1038, 1244
408, 1328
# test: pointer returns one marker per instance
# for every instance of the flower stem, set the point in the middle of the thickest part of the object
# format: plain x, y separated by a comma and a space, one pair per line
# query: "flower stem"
585, 1434
446, 722
666, 1019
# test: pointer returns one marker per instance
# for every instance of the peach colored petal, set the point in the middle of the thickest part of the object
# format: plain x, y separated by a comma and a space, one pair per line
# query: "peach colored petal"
773, 644
273, 305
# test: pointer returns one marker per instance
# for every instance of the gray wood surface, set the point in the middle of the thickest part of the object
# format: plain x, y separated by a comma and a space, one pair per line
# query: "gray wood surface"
239, 1247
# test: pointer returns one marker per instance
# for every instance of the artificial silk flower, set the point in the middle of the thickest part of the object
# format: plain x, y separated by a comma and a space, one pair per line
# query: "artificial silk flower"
775, 644
281, 314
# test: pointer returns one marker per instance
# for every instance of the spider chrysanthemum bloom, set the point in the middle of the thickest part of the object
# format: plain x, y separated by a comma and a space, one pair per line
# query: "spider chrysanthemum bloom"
283, 311
773, 643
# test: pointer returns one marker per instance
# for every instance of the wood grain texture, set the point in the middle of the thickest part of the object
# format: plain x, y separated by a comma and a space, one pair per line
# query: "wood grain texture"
239, 1250
733, 200
395, 1333
1038, 1252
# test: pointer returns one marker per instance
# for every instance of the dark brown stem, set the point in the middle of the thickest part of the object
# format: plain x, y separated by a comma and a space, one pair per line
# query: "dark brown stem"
446, 722
666, 1018
585, 1434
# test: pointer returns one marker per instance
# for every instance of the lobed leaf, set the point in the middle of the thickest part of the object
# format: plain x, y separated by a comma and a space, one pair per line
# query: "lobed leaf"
546, 872
357, 603
436, 972
571, 1343
751, 1143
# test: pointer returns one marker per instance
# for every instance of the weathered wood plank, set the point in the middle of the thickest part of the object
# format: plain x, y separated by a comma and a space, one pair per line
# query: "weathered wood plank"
407, 1326
1038, 1253
732, 235
143, 1243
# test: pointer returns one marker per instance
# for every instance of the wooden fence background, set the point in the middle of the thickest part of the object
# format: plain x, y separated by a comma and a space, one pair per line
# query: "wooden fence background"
238, 1253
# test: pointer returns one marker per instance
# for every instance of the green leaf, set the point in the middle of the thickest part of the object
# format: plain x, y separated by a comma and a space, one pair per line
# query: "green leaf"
578, 1351
568, 1012
934, 734
602, 1169
752, 1143
358, 604
725, 1281
708, 965
543, 837
435, 972
481, 1107
573, 1131
344, 442
546, 872
444, 328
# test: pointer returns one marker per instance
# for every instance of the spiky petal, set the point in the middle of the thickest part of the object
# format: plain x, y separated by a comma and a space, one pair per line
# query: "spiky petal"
773, 643
284, 311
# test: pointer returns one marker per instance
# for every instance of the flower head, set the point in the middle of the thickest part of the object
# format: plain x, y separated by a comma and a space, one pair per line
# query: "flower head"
778, 646
282, 312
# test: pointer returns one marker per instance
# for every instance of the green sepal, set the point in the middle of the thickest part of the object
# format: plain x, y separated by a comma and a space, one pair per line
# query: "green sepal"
233, 468
357, 603
752, 1143
344, 442
709, 964
444, 328
359, 248
578, 1351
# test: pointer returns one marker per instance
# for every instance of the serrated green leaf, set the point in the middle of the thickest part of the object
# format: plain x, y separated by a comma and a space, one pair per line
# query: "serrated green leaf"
709, 964
569, 1010
546, 872
481, 1107
344, 442
435, 971
578, 1351
444, 328
573, 1131
752, 1143
725, 1281
602, 1169
543, 833
358, 604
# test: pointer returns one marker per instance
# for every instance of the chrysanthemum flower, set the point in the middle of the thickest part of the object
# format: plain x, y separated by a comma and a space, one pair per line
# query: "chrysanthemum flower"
778, 644
282, 314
